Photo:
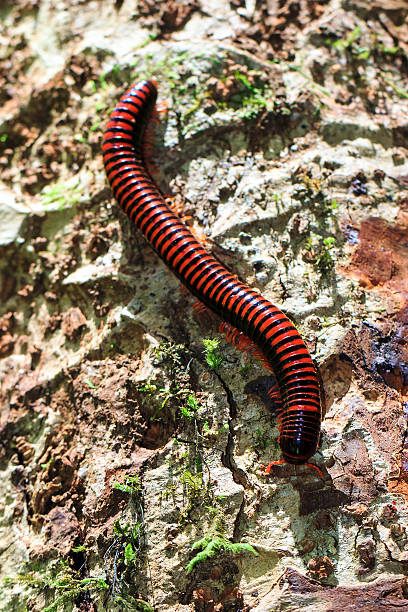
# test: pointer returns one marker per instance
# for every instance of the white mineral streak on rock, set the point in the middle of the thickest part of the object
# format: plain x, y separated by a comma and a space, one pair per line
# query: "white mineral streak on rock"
12, 215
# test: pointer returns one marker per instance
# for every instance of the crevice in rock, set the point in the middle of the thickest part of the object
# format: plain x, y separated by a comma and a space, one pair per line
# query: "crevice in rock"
227, 457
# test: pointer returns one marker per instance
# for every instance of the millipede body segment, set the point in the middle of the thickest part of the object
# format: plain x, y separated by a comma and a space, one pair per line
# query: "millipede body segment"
241, 307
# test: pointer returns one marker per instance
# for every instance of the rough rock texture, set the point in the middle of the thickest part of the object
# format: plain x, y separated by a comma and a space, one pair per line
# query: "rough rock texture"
285, 146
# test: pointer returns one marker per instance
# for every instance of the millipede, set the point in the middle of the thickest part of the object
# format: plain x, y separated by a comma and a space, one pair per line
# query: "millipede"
249, 321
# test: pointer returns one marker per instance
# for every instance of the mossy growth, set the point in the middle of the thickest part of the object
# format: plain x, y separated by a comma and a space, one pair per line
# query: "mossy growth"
60, 583
191, 407
212, 356
197, 490
262, 441
252, 97
60, 196
191, 487
124, 557
215, 543
132, 604
349, 44
321, 254
177, 393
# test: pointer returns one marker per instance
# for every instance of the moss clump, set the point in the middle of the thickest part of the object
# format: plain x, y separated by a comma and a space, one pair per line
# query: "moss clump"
212, 545
61, 582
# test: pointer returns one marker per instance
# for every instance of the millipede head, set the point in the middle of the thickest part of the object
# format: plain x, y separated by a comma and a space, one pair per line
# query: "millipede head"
282, 461
297, 450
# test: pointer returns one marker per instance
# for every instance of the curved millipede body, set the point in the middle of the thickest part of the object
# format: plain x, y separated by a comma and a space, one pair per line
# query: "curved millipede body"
238, 305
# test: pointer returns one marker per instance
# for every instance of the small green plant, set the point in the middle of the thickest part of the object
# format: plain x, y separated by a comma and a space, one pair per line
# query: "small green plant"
190, 409
147, 388
123, 557
212, 545
348, 42
261, 440
60, 579
170, 491
102, 81
192, 483
327, 206
402, 93
170, 353
173, 392
72, 588
278, 202
388, 50
322, 255
80, 548
90, 384
148, 40
130, 555
61, 195
95, 126
128, 531
213, 359
178, 389
132, 604
196, 490
100, 106
252, 99
325, 260
132, 485
80, 138
224, 428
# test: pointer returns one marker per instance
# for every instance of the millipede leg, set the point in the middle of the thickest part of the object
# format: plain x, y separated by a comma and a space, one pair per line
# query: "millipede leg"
199, 307
268, 467
243, 343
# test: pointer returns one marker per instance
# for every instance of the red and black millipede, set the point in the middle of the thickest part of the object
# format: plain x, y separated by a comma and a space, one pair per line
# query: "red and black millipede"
250, 319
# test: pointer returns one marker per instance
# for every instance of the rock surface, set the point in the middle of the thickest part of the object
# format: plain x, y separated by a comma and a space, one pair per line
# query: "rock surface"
285, 146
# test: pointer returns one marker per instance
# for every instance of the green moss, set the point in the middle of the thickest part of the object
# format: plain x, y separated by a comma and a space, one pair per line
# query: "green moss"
261, 440
193, 483
80, 548
124, 557
253, 98
132, 486
133, 604
178, 391
60, 195
212, 545
212, 357
90, 384
347, 43
190, 409
321, 254
60, 581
